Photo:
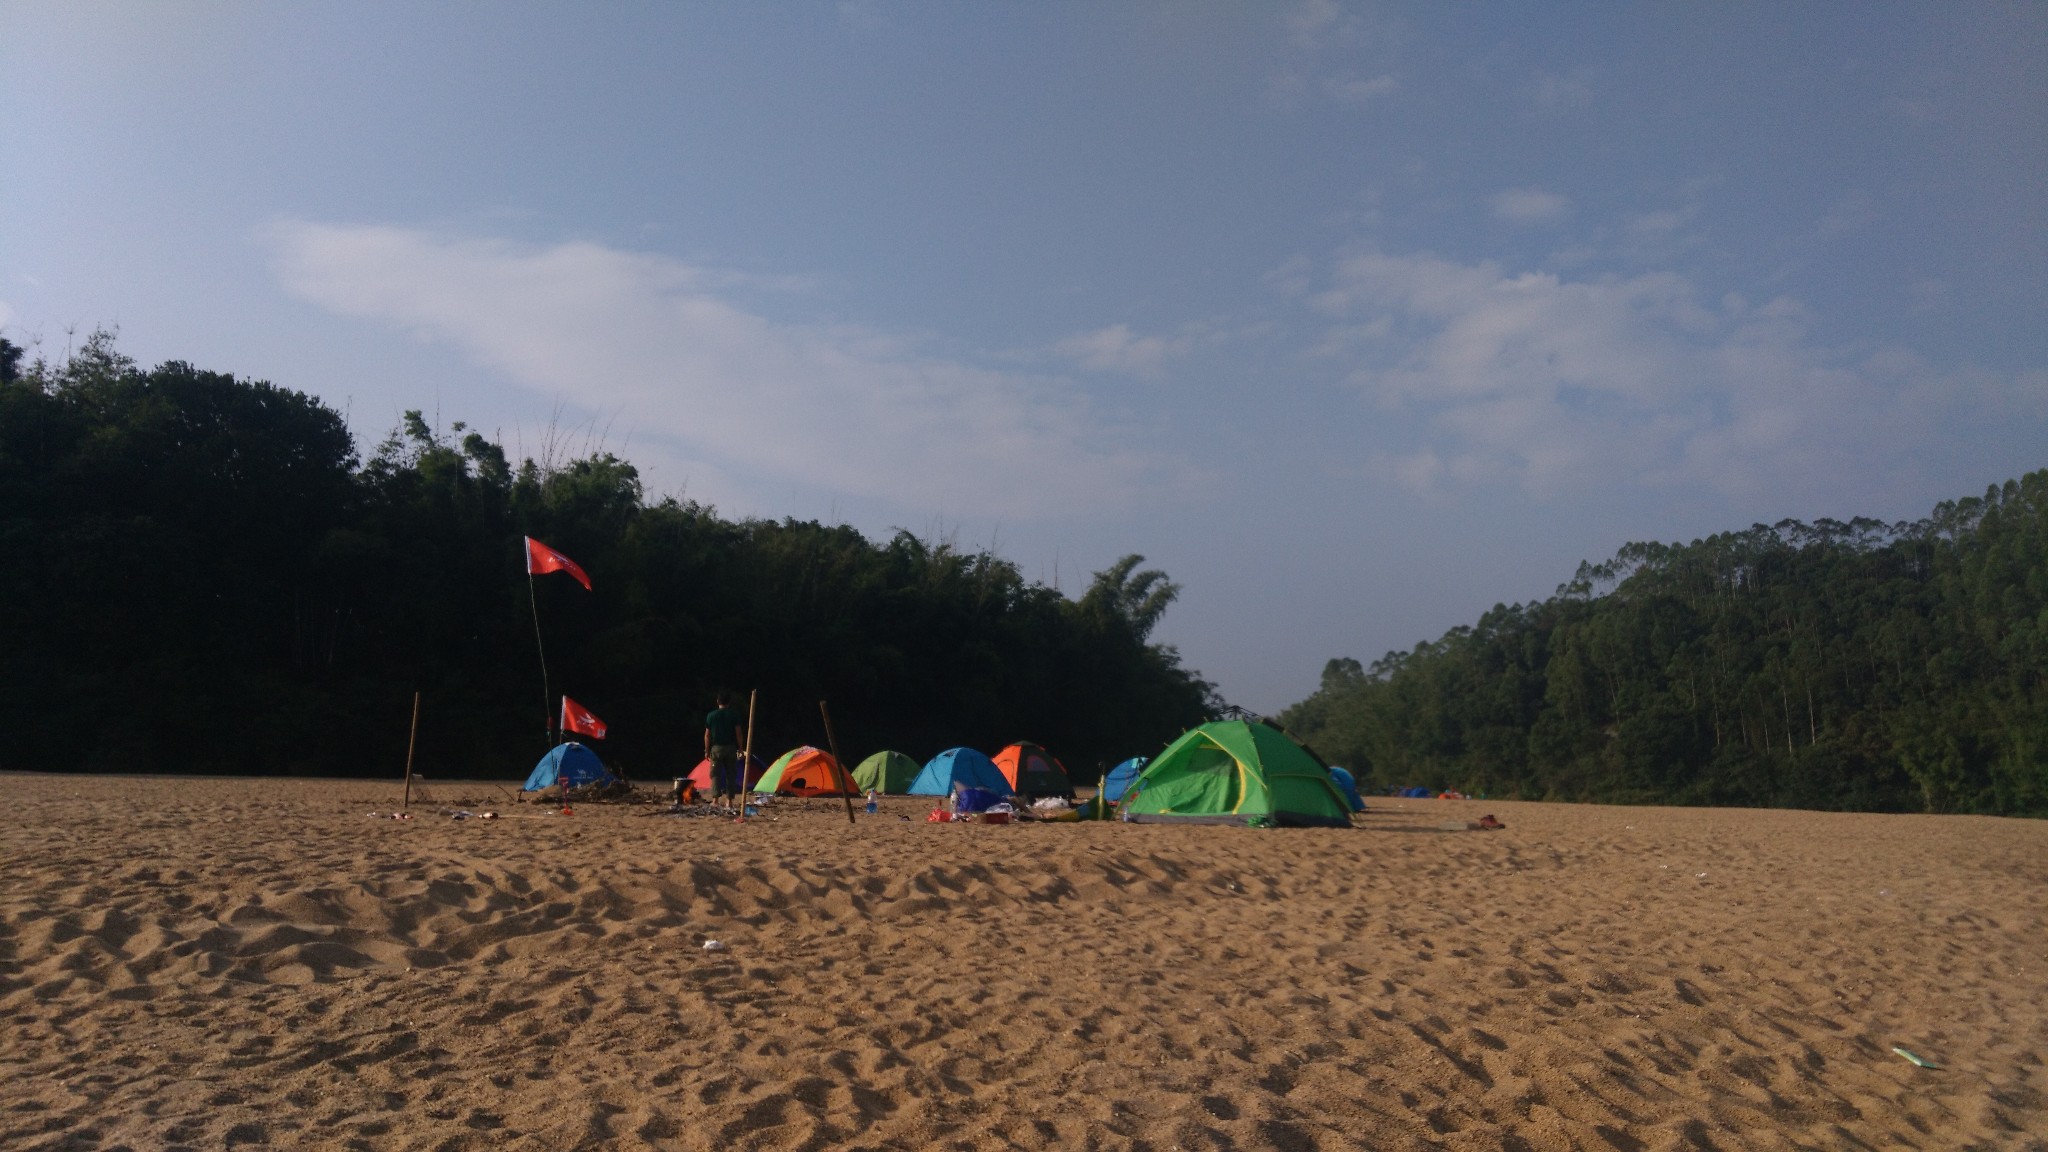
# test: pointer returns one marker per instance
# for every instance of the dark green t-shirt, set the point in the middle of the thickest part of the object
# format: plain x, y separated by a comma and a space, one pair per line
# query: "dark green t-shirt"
723, 724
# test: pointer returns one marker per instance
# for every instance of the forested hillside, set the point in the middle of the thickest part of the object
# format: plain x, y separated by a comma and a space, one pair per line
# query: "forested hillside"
1827, 665
200, 574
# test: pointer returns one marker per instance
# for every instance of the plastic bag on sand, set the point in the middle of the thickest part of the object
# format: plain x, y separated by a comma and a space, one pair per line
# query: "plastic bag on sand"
1050, 804
966, 799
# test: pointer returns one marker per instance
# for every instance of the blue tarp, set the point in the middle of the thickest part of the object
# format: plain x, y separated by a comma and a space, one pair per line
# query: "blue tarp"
1121, 776
959, 766
571, 761
1348, 785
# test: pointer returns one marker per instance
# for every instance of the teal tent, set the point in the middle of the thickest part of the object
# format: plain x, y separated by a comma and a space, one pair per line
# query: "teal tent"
572, 762
1348, 785
959, 766
1120, 777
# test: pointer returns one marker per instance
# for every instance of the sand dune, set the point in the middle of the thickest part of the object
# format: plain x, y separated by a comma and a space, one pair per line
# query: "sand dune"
212, 963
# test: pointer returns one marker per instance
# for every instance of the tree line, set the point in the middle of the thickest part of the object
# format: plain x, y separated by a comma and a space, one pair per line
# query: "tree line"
201, 573
1857, 665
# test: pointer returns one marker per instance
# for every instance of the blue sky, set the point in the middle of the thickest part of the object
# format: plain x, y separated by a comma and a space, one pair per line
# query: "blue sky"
1356, 319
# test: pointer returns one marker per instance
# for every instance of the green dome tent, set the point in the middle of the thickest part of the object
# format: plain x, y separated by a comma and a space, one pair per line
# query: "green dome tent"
1236, 772
886, 772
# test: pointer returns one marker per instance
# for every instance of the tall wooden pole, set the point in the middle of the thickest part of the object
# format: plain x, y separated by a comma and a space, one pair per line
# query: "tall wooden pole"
747, 753
410, 742
845, 777
547, 700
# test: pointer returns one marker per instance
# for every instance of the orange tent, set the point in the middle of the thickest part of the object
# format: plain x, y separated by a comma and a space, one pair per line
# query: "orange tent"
701, 774
1033, 772
807, 771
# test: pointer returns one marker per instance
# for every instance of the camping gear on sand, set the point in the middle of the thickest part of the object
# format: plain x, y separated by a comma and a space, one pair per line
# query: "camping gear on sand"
968, 799
806, 771
886, 772
959, 766
572, 763
1119, 779
1236, 772
1032, 771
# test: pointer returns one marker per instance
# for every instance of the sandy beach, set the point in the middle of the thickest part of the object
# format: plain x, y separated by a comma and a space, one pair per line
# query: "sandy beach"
227, 963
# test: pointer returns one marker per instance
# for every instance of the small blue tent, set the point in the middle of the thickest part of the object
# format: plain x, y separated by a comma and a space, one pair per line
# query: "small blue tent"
1417, 793
959, 766
1348, 785
572, 762
1120, 778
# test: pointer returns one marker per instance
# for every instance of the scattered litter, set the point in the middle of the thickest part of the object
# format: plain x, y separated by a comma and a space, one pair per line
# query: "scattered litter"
1916, 1060
714, 945
1488, 823
1700, 876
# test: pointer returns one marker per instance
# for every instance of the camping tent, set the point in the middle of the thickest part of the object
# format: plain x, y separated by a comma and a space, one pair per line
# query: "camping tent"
1236, 772
959, 766
571, 762
1348, 785
885, 772
806, 771
1033, 772
700, 776
1120, 777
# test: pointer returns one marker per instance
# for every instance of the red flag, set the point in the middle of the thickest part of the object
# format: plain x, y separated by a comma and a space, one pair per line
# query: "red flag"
541, 559
577, 718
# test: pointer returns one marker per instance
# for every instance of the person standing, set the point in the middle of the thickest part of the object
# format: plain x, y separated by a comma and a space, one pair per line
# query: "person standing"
724, 732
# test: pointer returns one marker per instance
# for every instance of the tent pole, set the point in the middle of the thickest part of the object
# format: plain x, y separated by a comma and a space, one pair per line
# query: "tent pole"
410, 742
547, 713
845, 777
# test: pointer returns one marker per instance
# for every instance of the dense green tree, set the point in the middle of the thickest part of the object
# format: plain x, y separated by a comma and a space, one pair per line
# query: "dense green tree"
1830, 665
201, 575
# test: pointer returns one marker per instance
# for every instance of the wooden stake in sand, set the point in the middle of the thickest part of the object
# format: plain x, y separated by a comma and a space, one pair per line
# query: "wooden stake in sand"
747, 752
845, 778
410, 741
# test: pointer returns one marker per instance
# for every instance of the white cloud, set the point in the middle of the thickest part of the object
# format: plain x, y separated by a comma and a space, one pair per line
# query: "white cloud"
1311, 21
1118, 349
842, 408
1853, 212
1554, 93
1561, 385
1351, 90
1530, 206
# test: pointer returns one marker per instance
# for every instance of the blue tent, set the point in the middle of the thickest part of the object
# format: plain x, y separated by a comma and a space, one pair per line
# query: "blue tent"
572, 762
1348, 785
1417, 793
1120, 778
959, 766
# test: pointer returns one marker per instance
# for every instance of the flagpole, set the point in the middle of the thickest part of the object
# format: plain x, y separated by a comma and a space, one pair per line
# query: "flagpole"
547, 712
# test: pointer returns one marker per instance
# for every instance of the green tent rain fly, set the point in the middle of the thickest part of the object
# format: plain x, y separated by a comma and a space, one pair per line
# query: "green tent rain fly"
1236, 772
